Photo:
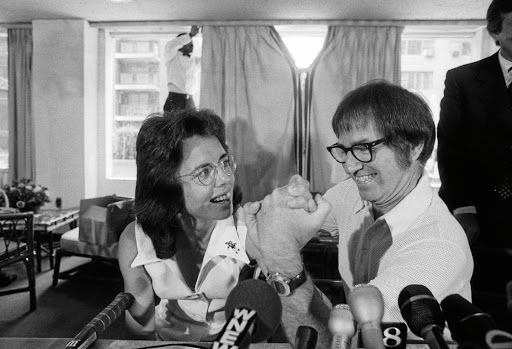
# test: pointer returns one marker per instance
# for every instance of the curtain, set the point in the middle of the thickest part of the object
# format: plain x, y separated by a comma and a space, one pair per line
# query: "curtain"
249, 79
21, 126
351, 56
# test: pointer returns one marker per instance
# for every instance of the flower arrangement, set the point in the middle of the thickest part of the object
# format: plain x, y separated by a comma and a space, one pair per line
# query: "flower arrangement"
25, 195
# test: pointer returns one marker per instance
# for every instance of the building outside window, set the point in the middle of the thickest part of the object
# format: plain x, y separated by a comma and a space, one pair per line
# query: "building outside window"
136, 86
428, 52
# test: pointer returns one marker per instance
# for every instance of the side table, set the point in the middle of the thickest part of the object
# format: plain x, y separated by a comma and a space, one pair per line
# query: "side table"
45, 223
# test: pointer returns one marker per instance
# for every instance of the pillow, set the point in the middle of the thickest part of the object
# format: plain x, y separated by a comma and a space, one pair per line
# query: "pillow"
101, 218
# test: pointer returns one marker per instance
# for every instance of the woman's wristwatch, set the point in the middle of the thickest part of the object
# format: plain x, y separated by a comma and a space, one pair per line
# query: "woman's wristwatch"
283, 285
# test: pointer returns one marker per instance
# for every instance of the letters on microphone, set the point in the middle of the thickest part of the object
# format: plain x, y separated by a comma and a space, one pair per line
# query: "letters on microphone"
394, 335
235, 329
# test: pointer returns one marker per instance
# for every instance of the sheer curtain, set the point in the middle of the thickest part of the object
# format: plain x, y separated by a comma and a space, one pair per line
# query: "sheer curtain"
351, 56
249, 79
21, 129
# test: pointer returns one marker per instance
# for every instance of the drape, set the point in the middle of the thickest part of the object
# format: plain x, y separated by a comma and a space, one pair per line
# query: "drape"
21, 125
351, 56
249, 79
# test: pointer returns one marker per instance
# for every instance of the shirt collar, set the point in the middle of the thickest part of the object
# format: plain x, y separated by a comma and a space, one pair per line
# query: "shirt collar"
226, 240
411, 207
505, 66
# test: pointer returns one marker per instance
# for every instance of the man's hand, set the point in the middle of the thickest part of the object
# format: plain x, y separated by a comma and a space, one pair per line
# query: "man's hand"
469, 222
279, 232
298, 189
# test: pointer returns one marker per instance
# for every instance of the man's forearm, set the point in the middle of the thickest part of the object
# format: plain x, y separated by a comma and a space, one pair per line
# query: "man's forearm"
307, 306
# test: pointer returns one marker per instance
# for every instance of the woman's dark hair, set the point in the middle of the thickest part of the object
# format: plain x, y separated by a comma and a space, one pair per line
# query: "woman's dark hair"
495, 13
401, 116
158, 193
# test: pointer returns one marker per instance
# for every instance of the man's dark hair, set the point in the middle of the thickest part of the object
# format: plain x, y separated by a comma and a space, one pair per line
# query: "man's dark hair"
401, 116
495, 14
159, 198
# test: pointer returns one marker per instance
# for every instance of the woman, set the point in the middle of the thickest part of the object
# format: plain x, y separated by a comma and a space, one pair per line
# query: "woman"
185, 246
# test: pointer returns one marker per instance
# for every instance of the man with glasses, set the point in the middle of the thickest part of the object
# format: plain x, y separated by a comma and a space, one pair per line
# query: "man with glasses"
393, 228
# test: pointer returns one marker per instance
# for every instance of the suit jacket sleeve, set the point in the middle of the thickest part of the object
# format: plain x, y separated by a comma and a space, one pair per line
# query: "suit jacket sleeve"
454, 158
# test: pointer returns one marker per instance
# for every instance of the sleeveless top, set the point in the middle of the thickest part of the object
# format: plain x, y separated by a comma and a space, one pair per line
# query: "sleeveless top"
194, 315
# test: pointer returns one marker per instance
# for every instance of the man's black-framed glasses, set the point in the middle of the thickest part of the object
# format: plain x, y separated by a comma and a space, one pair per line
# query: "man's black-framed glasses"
362, 151
207, 174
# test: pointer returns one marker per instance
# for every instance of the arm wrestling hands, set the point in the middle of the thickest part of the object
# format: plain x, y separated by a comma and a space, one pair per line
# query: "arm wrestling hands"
281, 224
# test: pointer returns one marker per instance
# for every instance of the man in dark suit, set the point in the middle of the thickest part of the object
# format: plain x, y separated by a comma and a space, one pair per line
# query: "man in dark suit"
475, 161
475, 139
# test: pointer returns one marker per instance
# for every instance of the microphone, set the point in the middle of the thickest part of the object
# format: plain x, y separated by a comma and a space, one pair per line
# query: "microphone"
104, 319
253, 310
423, 315
342, 326
469, 325
367, 307
306, 337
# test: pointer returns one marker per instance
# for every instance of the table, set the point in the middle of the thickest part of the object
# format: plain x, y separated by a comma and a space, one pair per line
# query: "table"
45, 223
59, 343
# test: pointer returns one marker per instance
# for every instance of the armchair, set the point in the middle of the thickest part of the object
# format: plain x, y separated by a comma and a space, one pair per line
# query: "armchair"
17, 245
101, 221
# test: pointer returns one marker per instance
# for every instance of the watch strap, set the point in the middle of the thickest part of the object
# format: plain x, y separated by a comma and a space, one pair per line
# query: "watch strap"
298, 280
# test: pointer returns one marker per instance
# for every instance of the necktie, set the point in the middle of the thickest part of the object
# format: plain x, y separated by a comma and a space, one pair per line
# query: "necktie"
373, 245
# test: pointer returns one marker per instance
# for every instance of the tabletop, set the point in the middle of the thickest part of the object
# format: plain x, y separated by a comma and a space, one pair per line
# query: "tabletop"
60, 343
48, 220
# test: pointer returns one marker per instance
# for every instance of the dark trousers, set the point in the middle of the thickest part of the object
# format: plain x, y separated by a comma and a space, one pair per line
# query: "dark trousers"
178, 101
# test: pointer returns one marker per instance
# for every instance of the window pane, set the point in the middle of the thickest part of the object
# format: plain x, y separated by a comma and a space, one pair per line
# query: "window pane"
137, 87
430, 52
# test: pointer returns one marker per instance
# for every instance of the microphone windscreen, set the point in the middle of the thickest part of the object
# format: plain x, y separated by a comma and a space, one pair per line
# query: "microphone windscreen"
467, 322
259, 296
420, 309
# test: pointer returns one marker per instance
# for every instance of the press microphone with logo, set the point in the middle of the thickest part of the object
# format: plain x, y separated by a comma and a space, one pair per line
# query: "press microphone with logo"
367, 307
423, 315
253, 313
342, 326
470, 326
306, 337
104, 319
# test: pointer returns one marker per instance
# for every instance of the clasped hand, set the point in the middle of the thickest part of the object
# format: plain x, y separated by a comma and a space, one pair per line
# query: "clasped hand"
281, 224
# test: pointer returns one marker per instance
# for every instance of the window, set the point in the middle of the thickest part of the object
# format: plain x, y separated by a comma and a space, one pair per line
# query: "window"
428, 52
4, 129
304, 42
136, 86
417, 80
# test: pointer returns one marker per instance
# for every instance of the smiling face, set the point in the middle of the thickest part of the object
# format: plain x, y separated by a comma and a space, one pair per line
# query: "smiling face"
383, 181
205, 203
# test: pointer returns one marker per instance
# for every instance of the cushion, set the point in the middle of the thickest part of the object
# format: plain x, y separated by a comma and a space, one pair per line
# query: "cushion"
69, 241
102, 219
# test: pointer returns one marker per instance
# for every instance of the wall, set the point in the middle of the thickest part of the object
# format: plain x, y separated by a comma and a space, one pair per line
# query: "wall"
65, 108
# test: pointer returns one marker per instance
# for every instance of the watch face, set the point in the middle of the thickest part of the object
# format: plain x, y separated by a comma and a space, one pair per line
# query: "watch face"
282, 288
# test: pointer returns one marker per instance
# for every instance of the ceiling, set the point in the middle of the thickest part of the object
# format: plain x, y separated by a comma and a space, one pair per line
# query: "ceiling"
24, 11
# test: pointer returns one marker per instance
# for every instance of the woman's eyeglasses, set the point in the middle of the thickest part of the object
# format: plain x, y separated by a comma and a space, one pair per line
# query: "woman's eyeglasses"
207, 173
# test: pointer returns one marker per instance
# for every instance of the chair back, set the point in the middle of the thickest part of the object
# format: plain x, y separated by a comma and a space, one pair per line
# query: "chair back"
16, 237
17, 245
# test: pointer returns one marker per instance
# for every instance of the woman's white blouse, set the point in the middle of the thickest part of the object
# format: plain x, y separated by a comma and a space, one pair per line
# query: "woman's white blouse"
194, 315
